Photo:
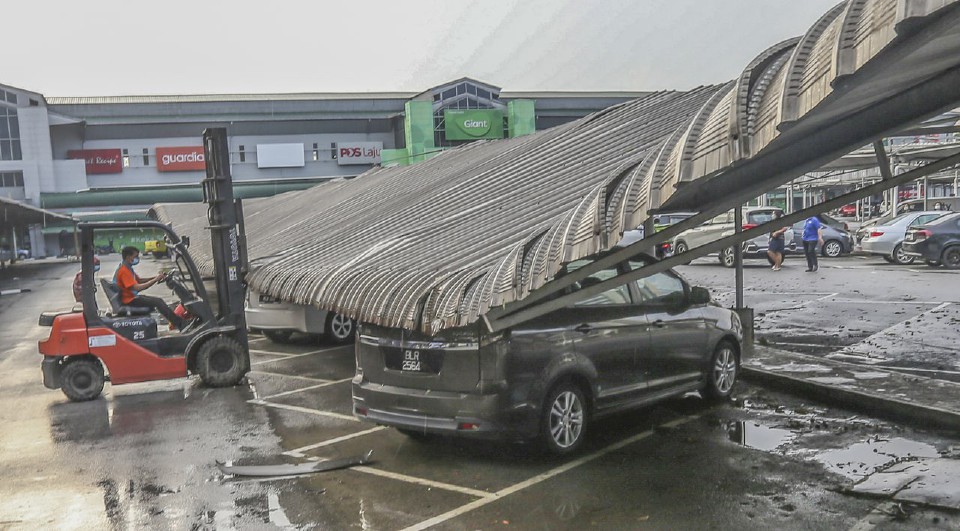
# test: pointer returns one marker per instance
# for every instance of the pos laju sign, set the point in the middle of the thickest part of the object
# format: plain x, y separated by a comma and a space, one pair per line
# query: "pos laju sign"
181, 159
358, 153
473, 124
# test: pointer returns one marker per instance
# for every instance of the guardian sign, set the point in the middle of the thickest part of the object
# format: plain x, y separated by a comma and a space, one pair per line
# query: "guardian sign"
181, 159
473, 124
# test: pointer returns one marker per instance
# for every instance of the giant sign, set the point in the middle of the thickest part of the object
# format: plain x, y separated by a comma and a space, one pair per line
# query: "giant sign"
184, 158
98, 160
358, 153
473, 124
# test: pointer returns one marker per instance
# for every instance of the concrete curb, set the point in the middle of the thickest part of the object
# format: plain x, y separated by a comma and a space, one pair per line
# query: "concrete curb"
871, 404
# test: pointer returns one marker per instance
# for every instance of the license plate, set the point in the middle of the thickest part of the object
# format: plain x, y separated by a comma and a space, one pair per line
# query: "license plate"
413, 360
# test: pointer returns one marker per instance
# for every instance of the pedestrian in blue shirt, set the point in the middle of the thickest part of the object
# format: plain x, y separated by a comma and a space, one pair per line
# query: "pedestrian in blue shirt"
812, 235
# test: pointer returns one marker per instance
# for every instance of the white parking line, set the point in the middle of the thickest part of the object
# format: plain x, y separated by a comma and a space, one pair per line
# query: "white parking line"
307, 378
303, 410
272, 353
298, 452
292, 356
463, 509
308, 388
424, 482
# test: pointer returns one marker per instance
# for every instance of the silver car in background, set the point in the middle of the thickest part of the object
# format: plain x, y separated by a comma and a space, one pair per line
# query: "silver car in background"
886, 240
723, 225
279, 320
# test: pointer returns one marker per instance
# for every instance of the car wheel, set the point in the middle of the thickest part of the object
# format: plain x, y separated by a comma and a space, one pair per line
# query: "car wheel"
951, 257
220, 362
727, 257
681, 247
832, 249
279, 336
724, 369
564, 422
340, 328
82, 380
900, 258
932, 263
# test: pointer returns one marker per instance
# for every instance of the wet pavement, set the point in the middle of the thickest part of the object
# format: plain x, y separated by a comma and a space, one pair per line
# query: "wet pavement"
144, 456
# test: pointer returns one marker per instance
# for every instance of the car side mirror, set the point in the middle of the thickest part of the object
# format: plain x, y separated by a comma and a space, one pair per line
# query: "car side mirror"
699, 295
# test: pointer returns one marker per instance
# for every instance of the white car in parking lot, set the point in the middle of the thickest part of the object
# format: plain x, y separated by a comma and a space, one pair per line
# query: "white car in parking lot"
279, 320
723, 225
886, 240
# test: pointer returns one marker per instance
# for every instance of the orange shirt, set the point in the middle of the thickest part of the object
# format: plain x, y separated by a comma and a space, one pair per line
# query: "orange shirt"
126, 280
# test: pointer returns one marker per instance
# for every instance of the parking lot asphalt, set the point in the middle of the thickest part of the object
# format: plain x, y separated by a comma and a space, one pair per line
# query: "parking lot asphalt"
872, 336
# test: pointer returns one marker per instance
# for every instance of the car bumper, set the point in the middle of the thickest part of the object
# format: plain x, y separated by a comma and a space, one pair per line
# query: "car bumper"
283, 316
477, 416
877, 246
923, 249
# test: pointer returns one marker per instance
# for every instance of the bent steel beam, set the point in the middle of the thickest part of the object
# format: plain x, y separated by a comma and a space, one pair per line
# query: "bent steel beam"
508, 320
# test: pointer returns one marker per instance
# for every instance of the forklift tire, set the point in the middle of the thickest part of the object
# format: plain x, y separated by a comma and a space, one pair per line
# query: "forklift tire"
82, 379
220, 362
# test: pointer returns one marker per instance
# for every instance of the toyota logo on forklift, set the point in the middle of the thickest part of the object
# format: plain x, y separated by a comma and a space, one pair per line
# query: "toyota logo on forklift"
87, 347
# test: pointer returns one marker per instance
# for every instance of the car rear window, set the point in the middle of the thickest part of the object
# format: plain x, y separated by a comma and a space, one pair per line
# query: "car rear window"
760, 216
945, 219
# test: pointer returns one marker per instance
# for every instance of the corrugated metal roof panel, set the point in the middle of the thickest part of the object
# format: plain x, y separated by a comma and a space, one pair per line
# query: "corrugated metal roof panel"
440, 243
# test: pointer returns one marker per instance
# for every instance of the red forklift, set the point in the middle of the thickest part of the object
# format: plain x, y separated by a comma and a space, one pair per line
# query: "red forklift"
123, 345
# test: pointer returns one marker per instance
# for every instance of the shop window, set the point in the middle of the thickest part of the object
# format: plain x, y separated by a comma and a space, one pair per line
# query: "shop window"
146, 157
126, 158
243, 154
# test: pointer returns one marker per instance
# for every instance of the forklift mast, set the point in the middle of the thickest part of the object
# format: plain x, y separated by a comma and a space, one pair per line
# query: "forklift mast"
227, 238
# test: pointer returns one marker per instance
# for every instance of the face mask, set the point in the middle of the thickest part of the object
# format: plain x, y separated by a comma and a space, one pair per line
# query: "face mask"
135, 261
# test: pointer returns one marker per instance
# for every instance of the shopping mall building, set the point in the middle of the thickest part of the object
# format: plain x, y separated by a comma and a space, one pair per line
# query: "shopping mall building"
112, 157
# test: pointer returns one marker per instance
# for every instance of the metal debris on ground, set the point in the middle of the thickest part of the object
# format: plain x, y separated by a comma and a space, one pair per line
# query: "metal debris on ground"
294, 469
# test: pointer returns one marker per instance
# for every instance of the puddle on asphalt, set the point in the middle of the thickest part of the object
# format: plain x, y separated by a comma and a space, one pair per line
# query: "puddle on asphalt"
862, 459
757, 436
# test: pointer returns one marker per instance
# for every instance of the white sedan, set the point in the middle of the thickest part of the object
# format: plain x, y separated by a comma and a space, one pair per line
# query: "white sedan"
887, 240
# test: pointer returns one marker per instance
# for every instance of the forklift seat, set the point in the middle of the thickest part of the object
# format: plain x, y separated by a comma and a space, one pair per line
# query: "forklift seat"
113, 295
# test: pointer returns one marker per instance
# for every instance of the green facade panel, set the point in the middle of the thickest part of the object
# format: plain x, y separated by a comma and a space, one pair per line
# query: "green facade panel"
158, 194
418, 129
521, 117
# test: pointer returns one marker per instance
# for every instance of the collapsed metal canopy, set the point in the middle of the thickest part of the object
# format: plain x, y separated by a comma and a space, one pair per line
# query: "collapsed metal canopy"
16, 213
441, 243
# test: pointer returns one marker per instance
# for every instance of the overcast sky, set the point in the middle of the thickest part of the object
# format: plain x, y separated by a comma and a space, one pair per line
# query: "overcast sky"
114, 47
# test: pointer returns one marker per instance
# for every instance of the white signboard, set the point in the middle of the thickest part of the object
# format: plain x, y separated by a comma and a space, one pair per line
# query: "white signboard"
358, 153
280, 156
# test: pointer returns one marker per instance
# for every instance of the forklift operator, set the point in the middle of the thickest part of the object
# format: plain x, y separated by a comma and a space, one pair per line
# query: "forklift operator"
131, 285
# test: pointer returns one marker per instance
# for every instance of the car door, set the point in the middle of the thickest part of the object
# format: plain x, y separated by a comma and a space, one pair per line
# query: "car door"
678, 332
710, 230
608, 329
